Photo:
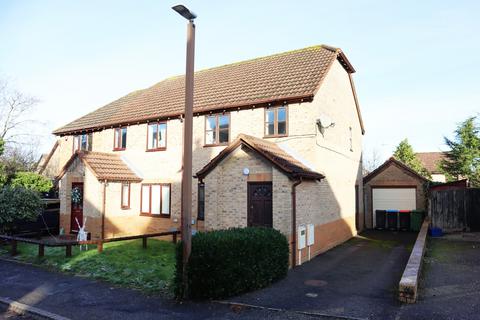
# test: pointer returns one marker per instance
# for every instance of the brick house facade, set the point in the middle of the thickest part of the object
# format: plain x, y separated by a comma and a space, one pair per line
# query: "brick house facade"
309, 85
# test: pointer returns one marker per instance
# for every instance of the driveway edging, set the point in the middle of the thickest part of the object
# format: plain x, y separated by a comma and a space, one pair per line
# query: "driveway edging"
34, 312
408, 286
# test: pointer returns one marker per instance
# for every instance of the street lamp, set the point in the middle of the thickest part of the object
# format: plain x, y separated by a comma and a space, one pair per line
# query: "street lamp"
187, 143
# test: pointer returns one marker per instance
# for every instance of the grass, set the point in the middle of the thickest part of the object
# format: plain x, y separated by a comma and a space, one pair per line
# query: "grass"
123, 263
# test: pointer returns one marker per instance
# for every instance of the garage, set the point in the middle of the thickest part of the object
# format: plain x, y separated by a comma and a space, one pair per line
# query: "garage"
392, 186
393, 198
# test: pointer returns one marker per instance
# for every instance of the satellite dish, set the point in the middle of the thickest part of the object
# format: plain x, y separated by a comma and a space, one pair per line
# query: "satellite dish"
324, 122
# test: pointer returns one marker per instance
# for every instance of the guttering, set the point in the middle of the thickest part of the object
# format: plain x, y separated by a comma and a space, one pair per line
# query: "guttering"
294, 222
103, 207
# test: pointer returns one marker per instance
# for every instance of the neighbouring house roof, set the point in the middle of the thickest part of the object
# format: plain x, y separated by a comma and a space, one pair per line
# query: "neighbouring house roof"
431, 160
45, 159
269, 151
389, 162
288, 77
105, 166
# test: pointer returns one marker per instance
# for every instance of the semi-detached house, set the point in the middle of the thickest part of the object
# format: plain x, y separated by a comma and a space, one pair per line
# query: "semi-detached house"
277, 142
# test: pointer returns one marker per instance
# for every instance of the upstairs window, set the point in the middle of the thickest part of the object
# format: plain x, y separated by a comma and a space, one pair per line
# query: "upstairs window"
82, 142
157, 136
155, 200
217, 129
120, 139
276, 121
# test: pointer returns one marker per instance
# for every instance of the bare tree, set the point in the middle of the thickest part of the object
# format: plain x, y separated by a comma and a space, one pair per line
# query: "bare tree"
15, 112
371, 161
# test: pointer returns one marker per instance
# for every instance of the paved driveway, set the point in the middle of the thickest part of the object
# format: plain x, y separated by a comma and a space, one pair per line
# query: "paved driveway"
357, 279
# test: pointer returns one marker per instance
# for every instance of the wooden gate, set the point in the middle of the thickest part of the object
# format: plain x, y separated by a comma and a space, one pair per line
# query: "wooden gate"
456, 210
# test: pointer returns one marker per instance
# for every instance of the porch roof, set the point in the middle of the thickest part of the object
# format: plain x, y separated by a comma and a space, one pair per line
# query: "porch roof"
271, 152
105, 166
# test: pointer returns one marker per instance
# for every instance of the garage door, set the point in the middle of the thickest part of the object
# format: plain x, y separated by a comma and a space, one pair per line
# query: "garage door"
393, 198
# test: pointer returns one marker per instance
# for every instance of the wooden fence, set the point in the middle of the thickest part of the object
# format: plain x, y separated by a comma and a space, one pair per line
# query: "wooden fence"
47, 222
455, 210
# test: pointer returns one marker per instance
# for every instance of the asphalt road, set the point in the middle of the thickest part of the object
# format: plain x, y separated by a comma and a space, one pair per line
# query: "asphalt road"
357, 279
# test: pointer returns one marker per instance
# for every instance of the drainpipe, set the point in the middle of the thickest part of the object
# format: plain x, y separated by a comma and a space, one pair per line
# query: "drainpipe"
294, 222
103, 207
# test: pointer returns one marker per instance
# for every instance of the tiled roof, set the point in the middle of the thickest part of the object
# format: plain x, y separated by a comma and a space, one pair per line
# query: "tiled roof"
290, 76
271, 152
389, 162
431, 160
105, 166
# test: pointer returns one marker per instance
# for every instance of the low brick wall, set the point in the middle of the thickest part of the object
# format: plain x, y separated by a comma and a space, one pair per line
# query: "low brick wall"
408, 285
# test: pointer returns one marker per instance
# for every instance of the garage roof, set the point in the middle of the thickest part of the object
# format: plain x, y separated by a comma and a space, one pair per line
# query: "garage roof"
389, 162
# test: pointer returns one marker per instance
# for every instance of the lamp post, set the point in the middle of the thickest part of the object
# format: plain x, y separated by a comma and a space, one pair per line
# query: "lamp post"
187, 143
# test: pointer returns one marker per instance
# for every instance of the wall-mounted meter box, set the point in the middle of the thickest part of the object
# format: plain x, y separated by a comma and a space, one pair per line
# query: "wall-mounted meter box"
302, 237
310, 234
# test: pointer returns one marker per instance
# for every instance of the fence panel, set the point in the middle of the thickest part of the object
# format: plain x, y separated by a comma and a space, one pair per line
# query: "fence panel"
455, 210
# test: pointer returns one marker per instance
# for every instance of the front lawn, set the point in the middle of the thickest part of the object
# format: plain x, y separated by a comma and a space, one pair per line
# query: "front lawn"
123, 263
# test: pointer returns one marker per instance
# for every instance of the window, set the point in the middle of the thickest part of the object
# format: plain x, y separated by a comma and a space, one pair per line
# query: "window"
125, 195
155, 200
217, 129
120, 139
276, 121
201, 202
157, 136
83, 142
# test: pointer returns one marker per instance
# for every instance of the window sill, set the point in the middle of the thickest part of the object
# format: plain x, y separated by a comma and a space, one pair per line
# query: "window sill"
125, 208
155, 215
155, 150
119, 149
276, 136
215, 145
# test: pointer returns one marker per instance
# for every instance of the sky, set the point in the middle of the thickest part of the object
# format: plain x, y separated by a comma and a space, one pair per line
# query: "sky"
417, 62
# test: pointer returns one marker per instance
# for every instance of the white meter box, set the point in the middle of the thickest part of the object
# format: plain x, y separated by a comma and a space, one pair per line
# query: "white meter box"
302, 237
310, 235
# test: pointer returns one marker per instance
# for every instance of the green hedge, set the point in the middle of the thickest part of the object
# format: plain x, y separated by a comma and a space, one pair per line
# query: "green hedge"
225, 263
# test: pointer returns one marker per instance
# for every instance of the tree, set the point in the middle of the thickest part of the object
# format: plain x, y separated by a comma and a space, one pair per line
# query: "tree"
3, 176
371, 161
32, 181
404, 153
17, 204
463, 159
15, 109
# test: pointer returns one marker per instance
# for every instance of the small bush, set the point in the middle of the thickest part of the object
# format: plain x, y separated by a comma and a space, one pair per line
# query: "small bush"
18, 204
32, 181
229, 262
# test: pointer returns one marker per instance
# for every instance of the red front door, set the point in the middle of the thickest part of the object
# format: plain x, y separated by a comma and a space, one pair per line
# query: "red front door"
77, 206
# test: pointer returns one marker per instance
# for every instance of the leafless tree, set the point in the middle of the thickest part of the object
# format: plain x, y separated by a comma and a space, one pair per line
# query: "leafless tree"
15, 112
371, 161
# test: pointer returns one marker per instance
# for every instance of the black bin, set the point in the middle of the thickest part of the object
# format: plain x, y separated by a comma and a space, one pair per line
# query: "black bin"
404, 219
380, 219
392, 219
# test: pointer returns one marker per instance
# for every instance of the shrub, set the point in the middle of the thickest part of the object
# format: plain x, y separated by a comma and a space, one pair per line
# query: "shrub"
229, 262
32, 181
18, 204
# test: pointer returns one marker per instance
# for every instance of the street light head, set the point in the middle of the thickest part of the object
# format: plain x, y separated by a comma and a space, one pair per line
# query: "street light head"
184, 12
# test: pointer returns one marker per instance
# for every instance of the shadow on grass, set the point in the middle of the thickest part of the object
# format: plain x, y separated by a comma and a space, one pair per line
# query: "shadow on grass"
123, 263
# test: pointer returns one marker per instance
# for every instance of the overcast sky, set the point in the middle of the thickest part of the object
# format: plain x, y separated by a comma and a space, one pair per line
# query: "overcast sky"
417, 62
